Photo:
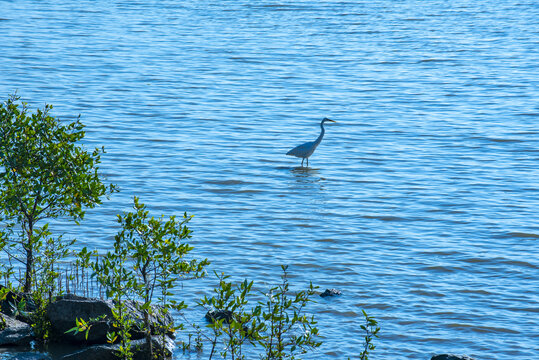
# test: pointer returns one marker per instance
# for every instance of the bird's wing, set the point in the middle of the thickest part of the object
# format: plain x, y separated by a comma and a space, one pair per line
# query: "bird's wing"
301, 150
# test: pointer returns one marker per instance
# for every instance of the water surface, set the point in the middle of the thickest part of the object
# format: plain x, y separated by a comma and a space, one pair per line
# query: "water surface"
420, 204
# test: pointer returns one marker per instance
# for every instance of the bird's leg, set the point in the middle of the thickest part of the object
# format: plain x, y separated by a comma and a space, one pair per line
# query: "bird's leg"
307, 162
302, 160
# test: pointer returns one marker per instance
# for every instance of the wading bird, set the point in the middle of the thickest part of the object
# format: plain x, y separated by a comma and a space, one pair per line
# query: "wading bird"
305, 150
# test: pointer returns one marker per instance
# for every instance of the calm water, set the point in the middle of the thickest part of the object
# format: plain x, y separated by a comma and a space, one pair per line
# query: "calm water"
422, 202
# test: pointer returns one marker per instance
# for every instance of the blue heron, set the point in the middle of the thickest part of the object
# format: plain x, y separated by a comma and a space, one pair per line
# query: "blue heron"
305, 150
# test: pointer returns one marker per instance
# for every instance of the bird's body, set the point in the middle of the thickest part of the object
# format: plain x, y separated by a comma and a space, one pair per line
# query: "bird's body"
303, 151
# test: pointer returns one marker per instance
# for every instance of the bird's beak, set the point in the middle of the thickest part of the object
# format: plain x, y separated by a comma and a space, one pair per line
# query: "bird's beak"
331, 120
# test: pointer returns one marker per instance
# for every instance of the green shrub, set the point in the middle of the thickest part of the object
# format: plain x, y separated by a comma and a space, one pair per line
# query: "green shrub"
145, 265
44, 174
278, 323
230, 319
288, 330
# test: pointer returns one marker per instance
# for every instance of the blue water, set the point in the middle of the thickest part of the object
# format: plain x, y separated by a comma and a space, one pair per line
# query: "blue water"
421, 204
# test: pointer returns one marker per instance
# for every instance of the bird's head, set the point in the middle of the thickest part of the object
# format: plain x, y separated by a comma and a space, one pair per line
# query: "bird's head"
326, 119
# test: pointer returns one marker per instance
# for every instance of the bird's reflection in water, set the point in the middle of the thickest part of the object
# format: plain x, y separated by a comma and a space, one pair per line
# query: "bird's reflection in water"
307, 175
310, 189
301, 170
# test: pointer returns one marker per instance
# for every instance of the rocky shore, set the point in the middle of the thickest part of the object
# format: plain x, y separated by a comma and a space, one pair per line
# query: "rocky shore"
17, 333
17, 340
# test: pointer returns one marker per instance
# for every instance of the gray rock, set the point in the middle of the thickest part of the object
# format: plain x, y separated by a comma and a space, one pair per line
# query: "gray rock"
450, 357
101, 352
330, 292
16, 333
139, 348
215, 315
64, 310
163, 321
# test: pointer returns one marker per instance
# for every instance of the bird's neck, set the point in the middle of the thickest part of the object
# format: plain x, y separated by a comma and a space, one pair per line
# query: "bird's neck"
321, 133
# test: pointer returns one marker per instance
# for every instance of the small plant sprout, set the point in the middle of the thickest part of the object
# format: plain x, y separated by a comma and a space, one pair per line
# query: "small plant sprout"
371, 330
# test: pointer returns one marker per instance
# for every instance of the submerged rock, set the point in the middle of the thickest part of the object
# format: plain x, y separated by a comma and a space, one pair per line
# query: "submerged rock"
216, 315
450, 357
16, 333
330, 292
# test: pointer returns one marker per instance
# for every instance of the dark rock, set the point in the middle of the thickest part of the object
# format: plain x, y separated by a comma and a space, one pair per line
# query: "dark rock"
101, 352
216, 315
450, 357
139, 348
16, 333
26, 356
158, 322
330, 292
9, 305
64, 310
